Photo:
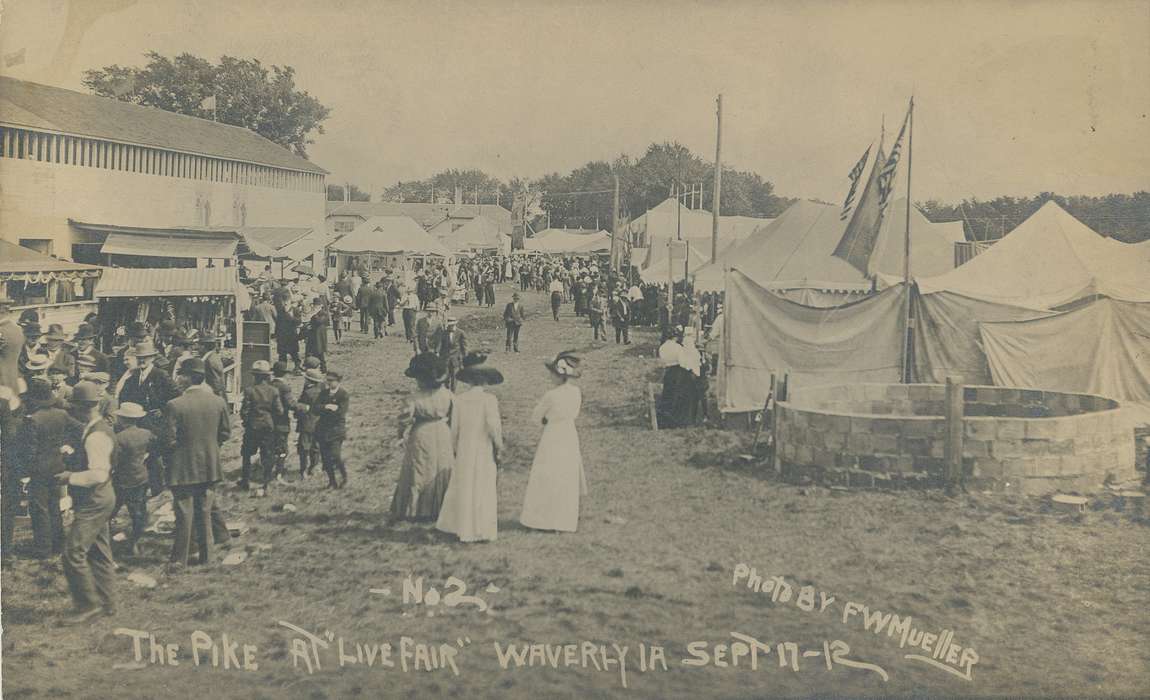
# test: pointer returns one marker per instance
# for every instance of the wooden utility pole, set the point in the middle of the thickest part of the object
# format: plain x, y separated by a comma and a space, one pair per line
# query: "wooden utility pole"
908, 321
718, 179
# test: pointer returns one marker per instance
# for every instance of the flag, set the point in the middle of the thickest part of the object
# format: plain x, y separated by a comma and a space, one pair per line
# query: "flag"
861, 234
14, 59
209, 103
855, 174
886, 178
620, 245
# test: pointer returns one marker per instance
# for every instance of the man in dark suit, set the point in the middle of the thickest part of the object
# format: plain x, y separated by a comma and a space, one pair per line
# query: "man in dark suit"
197, 423
513, 319
377, 309
47, 428
363, 303
63, 362
330, 407
621, 317
88, 358
450, 344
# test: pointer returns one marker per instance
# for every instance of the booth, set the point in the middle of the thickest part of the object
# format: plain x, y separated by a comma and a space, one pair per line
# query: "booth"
59, 290
208, 300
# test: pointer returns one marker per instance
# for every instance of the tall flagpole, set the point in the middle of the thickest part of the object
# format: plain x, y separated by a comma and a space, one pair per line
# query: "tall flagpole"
907, 329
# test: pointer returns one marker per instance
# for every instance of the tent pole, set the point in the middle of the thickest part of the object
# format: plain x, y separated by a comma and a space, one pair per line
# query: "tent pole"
908, 331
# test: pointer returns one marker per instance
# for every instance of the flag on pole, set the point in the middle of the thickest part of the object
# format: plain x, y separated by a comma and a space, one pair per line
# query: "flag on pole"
890, 168
861, 234
855, 174
209, 104
620, 245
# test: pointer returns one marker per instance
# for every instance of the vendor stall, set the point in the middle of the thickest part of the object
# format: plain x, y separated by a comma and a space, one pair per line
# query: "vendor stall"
385, 242
208, 300
58, 290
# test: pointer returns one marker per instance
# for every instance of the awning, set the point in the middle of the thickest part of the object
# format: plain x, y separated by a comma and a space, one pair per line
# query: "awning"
282, 243
19, 264
168, 246
169, 282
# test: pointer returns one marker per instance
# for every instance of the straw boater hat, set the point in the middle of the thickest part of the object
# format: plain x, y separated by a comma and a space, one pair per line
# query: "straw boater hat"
37, 363
130, 410
314, 375
476, 372
261, 367
428, 366
565, 364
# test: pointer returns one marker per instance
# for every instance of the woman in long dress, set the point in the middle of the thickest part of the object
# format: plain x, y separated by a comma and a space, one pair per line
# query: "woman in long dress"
470, 508
557, 480
429, 457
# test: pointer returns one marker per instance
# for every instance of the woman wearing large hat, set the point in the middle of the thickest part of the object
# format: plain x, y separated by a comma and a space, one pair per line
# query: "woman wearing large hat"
470, 508
429, 457
557, 480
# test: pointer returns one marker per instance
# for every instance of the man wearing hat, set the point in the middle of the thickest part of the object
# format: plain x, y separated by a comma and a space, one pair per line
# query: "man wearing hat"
306, 445
317, 325
88, 358
197, 423
213, 365
450, 344
165, 333
31, 343
513, 319
621, 317
62, 361
183, 347
283, 422
87, 562
261, 410
47, 428
130, 471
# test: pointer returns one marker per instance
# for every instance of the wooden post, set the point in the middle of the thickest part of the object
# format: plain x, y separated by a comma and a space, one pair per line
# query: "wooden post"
718, 179
954, 414
782, 393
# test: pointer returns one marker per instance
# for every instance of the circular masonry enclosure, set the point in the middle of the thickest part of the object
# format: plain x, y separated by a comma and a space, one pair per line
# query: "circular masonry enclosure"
894, 435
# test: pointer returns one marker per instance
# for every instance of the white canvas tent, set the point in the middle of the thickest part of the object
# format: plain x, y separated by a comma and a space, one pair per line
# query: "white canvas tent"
793, 253
479, 234
660, 257
666, 220
562, 241
390, 235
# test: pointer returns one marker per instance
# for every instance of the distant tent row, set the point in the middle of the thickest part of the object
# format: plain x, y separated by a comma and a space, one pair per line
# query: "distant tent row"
569, 242
480, 234
1053, 305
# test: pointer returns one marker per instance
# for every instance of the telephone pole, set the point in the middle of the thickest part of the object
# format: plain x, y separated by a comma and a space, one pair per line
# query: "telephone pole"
718, 179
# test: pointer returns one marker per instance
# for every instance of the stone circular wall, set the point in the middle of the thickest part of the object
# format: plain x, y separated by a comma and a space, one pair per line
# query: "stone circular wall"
894, 435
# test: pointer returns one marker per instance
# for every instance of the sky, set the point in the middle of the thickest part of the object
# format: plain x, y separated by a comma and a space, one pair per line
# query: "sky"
1011, 97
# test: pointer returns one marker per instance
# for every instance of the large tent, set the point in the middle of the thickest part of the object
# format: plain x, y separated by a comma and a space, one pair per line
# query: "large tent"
793, 253
1053, 305
666, 220
563, 241
479, 234
390, 235
661, 256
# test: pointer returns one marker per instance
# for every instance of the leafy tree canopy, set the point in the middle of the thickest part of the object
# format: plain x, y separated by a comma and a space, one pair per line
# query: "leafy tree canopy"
247, 93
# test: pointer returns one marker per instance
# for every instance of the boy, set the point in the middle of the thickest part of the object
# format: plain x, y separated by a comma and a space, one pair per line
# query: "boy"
259, 413
331, 427
307, 446
130, 469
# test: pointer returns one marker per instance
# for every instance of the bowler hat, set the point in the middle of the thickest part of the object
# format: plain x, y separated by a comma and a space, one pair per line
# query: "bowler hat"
192, 366
32, 330
137, 329
84, 332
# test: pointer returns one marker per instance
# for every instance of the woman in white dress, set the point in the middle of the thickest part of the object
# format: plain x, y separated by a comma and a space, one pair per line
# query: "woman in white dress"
470, 508
557, 480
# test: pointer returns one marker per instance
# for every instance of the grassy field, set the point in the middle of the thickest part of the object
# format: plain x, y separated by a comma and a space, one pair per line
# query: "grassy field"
1052, 604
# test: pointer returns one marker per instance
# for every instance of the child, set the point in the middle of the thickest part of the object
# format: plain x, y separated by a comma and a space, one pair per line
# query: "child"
330, 407
130, 471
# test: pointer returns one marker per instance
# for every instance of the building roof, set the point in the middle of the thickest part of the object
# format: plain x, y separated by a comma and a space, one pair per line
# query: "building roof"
424, 213
390, 235
16, 259
43, 107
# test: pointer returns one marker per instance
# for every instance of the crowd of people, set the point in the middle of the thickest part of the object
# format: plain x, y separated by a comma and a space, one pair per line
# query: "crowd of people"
114, 431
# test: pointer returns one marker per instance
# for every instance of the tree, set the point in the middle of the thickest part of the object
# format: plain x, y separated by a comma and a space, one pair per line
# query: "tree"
336, 193
1124, 217
261, 98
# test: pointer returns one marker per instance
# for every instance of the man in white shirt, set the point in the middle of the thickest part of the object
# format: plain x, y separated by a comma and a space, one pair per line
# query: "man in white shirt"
556, 290
87, 561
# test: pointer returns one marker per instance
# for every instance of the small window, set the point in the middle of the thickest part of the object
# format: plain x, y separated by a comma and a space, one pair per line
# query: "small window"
344, 226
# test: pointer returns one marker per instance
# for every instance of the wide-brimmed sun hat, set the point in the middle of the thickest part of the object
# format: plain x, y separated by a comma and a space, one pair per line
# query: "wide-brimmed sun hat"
565, 364
475, 371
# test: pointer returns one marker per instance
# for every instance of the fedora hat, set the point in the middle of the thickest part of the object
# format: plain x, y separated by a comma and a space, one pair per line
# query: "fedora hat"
96, 377
565, 364
261, 367
87, 393
32, 330
130, 410
137, 329
146, 349
56, 332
